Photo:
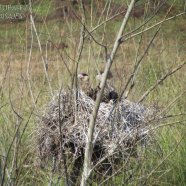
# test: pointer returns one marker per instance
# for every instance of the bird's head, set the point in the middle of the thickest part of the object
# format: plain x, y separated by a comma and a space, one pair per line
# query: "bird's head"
99, 76
83, 77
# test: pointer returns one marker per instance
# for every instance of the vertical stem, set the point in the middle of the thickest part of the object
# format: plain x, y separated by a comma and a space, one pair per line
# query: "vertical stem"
89, 147
40, 49
80, 50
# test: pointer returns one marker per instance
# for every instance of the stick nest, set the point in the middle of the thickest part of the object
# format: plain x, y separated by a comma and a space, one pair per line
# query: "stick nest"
61, 128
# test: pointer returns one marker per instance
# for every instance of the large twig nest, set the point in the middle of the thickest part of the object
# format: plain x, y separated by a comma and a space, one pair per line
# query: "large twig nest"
116, 129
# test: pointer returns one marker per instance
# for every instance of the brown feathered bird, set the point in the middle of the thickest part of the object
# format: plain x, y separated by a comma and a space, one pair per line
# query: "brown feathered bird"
85, 85
109, 93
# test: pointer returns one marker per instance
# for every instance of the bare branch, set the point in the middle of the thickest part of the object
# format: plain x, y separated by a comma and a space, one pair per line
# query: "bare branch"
123, 39
40, 49
88, 148
161, 80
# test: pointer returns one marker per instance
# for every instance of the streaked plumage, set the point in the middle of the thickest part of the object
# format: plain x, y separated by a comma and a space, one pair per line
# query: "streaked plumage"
109, 92
85, 86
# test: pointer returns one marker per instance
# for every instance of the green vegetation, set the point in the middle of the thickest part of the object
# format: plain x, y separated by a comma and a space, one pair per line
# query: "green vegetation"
43, 8
23, 94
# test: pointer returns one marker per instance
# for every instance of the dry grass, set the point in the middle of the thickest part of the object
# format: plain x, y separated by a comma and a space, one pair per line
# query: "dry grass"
17, 97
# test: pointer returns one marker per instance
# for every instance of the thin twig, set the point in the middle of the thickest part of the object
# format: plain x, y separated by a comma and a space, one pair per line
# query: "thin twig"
160, 80
123, 39
40, 49
88, 148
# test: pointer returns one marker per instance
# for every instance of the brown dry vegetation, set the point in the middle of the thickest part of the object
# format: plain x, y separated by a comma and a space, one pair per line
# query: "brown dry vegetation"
23, 85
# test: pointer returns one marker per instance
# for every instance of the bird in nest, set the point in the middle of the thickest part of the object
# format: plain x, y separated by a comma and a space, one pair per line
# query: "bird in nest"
109, 93
85, 86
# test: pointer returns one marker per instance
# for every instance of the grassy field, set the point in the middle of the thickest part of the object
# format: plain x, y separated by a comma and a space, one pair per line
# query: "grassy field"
24, 91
